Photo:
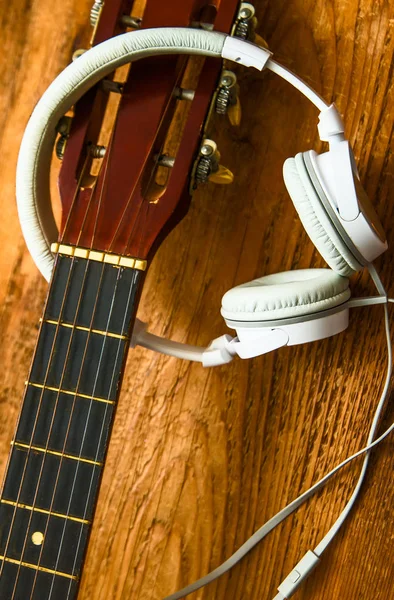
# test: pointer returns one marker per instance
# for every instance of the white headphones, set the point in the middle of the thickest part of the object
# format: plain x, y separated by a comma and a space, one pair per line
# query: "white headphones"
272, 311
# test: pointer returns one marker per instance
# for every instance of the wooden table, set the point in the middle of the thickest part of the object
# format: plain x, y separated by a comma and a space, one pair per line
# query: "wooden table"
199, 459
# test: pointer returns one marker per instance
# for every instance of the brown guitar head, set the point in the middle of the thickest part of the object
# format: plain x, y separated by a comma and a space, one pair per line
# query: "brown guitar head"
125, 194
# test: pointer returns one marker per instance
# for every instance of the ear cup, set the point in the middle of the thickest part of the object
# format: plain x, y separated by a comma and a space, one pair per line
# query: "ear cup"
314, 217
284, 295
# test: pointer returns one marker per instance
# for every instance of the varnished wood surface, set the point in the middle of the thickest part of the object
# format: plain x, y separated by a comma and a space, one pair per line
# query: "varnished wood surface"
199, 459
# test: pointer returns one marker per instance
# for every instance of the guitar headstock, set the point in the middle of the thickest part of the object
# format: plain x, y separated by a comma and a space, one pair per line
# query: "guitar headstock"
124, 194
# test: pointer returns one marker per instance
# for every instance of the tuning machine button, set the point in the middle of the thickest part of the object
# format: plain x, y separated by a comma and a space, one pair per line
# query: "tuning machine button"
227, 98
208, 167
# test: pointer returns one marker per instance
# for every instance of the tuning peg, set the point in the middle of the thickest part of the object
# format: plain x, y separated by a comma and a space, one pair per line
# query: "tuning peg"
221, 176
131, 22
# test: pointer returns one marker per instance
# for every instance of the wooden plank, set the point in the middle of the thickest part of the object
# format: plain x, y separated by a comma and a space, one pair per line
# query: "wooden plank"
200, 458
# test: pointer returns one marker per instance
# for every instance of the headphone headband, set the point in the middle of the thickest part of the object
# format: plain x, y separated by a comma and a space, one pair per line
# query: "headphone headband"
32, 180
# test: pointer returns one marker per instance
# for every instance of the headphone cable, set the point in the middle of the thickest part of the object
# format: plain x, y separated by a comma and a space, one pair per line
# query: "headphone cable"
307, 563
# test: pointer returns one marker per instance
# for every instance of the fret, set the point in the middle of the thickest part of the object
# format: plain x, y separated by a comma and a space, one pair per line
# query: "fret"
44, 478
57, 455
36, 567
62, 454
64, 422
40, 386
45, 512
98, 331
72, 349
35, 583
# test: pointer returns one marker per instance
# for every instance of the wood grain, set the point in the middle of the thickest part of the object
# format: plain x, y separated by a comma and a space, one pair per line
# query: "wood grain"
199, 459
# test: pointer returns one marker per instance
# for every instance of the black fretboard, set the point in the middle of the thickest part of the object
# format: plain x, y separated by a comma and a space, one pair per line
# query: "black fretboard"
56, 460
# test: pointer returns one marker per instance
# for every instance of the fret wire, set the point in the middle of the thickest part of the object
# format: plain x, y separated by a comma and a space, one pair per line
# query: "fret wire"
34, 426
80, 328
73, 405
44, 511
133, 283
69, 392
55, 453
37, 568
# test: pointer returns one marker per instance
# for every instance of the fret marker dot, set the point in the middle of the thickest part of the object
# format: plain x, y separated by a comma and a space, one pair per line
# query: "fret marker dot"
37, 538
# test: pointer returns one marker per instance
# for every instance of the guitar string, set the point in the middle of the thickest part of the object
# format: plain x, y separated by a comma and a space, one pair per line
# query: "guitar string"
39, 408
122, 218
74, 397
31, 441
54, 413
74, 402
76, 193
82, 365
52, 422
132, 287
148, 205
87, 421
98, 206
35, 422
91, 403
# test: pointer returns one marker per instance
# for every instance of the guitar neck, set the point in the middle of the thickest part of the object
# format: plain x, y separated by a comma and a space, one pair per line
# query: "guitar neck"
57, 455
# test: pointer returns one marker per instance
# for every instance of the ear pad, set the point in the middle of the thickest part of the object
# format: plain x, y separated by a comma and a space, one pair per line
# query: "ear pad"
283, 295
316, 220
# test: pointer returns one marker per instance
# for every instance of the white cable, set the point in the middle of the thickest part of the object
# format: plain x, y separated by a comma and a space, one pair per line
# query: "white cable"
263, 531
344, 514
170, 347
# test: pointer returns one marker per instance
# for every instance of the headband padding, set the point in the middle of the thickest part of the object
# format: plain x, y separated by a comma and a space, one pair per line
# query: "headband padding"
285, 295
315, 219
32, 178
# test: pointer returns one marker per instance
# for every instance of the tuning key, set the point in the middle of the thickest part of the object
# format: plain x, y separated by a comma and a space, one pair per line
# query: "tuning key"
63, 129
222, 176
208, 168
246, 24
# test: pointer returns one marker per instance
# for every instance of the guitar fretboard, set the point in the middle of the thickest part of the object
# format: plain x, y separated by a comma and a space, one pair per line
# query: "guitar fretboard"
57, 455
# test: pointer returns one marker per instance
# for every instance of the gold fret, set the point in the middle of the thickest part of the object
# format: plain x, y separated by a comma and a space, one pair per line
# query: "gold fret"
37, 567
80, 328
55, 453
69, 393
104, 257
45, 512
